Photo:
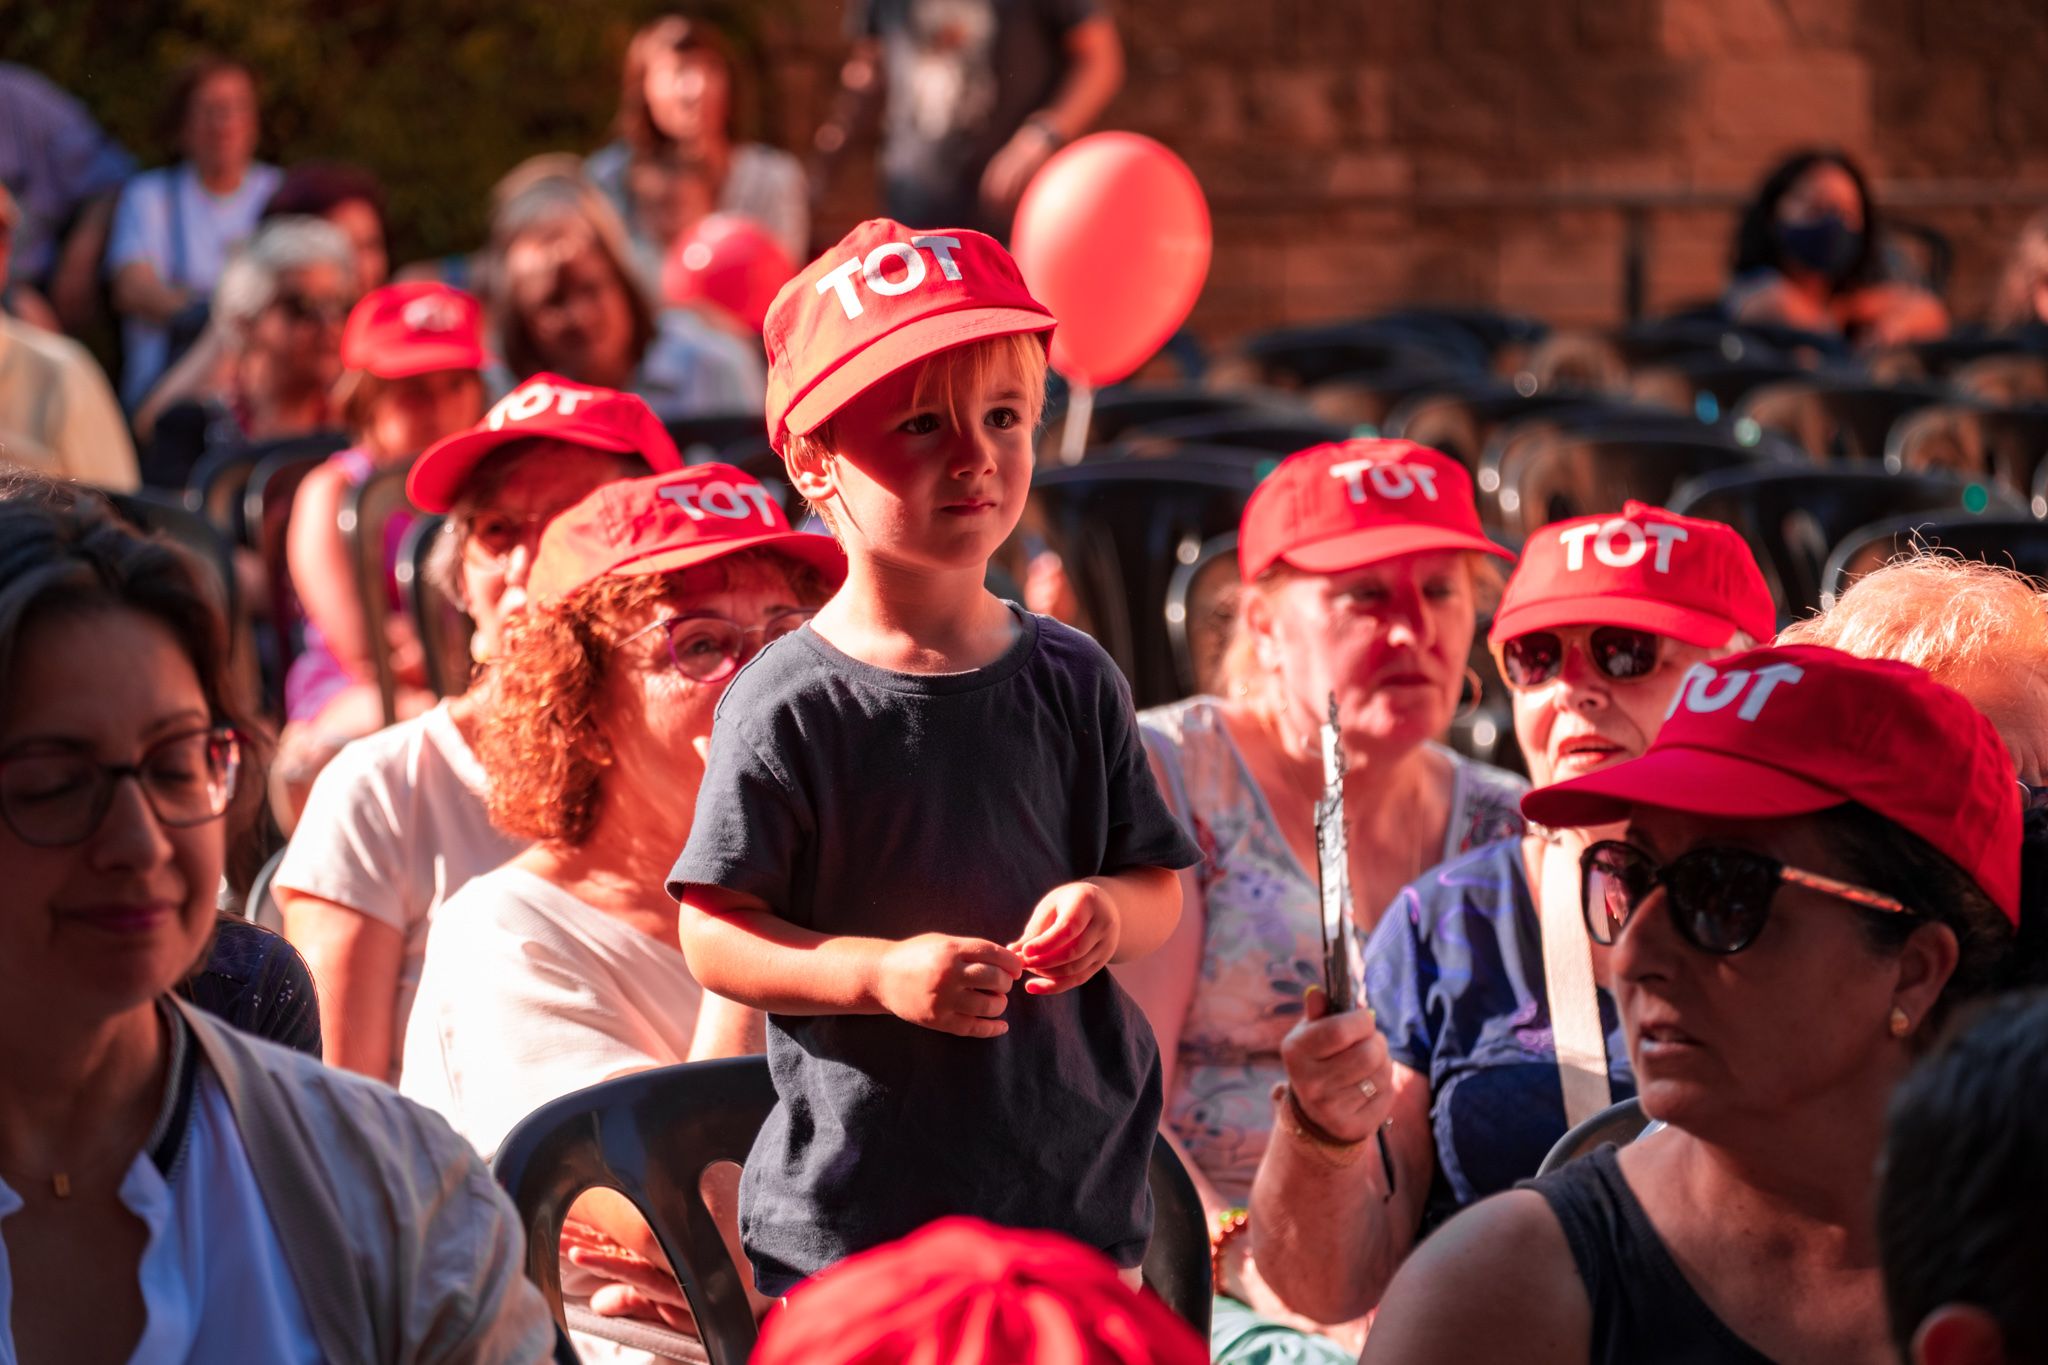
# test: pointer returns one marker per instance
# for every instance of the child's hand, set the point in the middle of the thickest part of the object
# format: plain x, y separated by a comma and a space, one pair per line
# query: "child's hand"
1072, 935
954, 985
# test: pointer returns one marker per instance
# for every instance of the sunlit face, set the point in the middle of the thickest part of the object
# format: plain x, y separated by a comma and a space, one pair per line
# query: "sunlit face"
1582, 720
576, 308
98, 927
1825, 188
298, 334
365, 231
539, 483
219, 136
408, 415
936, 484
689, 94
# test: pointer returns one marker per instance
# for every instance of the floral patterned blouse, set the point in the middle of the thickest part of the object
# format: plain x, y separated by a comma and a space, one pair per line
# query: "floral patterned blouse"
1261, 943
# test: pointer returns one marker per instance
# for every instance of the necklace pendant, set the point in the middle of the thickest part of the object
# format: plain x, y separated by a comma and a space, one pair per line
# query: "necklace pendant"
61, 1184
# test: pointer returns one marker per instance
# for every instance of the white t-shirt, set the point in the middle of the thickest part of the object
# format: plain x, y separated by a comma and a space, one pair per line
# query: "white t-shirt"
530, 993
394, 826
57, 414
215, 1283
166, 217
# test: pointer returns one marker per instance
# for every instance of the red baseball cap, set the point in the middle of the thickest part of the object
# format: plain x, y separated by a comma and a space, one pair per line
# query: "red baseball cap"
670, 521
1794, 729
885, 297
1352, 503
1648, 569
728, 260
416, 328
550, 406
961, 1292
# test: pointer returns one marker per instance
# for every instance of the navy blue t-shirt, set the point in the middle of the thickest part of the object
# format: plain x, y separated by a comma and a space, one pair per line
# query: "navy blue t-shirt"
855, 800
1454, 973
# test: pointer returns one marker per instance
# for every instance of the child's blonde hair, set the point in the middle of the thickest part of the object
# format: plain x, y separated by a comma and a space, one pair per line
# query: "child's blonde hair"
956, 374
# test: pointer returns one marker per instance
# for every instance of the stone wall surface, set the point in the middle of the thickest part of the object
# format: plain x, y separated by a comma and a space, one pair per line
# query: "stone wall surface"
1364, 153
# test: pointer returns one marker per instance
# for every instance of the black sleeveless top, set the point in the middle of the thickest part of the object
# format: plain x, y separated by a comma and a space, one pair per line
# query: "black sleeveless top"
1643, 1308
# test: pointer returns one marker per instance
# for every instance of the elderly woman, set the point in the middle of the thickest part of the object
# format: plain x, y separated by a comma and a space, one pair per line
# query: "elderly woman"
170, 1188
347, 196
267, 366
1363, 566
1493, 1027
397, 823
1820, 866
677, 101
564, 296
563, 968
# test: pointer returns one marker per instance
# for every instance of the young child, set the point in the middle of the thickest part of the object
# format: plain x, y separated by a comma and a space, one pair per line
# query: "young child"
925, 797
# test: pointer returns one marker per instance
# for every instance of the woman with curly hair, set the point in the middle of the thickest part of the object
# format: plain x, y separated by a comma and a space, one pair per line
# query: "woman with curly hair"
562, 968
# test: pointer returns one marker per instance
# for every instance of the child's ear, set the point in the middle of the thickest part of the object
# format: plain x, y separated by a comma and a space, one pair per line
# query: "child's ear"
810, 473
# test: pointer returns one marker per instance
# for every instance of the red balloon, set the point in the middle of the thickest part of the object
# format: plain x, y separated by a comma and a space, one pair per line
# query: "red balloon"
1113, 236
730, 261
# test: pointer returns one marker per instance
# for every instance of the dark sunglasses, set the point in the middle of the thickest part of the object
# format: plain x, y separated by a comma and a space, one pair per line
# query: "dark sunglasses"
2033, 797
1622, 655
710, 649
302, 308
1718, 898
54, 797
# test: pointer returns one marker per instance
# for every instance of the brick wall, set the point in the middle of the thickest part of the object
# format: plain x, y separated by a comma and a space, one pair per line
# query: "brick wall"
1363, 153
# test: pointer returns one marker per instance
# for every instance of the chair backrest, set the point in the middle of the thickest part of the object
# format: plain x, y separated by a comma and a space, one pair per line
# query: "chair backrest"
155, 512
652, 1135
1296, 357
216, 490
2017, 378
1615, 1126
1941, 436
267, 514
1578, 476
1794, 516
700, 439
1275, 433
1835, 418
1201, 613
259, 906
1708, 386
1119, 527
1117, 410
1515, 437
1459, 420
366, 525
445, 628
2015, 542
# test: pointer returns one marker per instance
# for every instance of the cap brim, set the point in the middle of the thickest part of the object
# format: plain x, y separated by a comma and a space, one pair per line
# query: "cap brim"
908, 344
426, 360
820, 552
1695, 781
439, 473
1686, 624
1356, 549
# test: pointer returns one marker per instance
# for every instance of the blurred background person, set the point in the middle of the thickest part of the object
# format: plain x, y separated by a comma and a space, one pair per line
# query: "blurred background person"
57, 413
563, 296
60, 164
348, 197
1809, 254
682, 94
397, 822
175, 228
977, 95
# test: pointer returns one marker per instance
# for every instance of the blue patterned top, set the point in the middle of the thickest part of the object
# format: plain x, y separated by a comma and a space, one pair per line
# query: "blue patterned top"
1455, 972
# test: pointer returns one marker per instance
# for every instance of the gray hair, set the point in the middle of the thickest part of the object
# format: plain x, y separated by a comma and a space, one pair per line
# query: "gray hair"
249, 282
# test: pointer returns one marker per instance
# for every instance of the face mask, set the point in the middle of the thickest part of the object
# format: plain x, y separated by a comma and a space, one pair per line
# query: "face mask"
1826, 245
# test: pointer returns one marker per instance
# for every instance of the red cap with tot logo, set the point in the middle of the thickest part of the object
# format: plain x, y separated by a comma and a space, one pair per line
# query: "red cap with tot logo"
402, 330
667, 522
1797, 729
1342, 506
1647, 569
885, 297
549, 406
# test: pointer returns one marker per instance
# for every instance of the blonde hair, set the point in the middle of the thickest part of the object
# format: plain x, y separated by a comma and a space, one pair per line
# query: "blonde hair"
1959, 619
956, 373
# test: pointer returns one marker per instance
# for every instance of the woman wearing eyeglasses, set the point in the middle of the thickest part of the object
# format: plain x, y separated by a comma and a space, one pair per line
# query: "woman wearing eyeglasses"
1812, 868
170, 1188
396, 823
562, 968
1492, 1025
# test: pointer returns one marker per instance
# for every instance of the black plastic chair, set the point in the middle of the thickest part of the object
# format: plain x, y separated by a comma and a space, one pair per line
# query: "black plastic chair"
1793, 517
366, 516
2015, 542
1274, 433
652, 1135
1460, 419
1120, 526
1492, 331
1708, 387
1579, 475
701, 439
1617, 1125
1118, 410
1297, 357
2006, 445
2019, 377
259, 906
216, 490
1835, 418
445, 628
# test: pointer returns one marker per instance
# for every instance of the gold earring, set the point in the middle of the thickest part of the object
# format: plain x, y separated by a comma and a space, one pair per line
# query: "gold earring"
1901, 1025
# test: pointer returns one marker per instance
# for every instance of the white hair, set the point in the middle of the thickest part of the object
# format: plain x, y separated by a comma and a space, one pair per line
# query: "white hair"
249, 281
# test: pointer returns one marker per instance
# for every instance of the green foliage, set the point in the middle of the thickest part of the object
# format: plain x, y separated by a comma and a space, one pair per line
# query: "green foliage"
438, 97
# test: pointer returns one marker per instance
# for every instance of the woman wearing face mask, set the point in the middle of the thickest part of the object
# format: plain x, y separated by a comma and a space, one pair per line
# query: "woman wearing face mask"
1363, 565
396, 824
1807, 255
1492, 1028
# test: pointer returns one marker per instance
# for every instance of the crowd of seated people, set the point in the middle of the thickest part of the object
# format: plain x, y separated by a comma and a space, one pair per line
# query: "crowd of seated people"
599, 755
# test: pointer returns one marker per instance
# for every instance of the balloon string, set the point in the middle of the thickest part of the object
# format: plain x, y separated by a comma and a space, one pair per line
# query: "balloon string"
1080, 416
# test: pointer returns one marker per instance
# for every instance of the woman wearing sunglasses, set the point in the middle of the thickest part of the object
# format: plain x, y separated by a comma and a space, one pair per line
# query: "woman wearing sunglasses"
562, 968
1813, 867
170, 1188
396, 823
1493, 1027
